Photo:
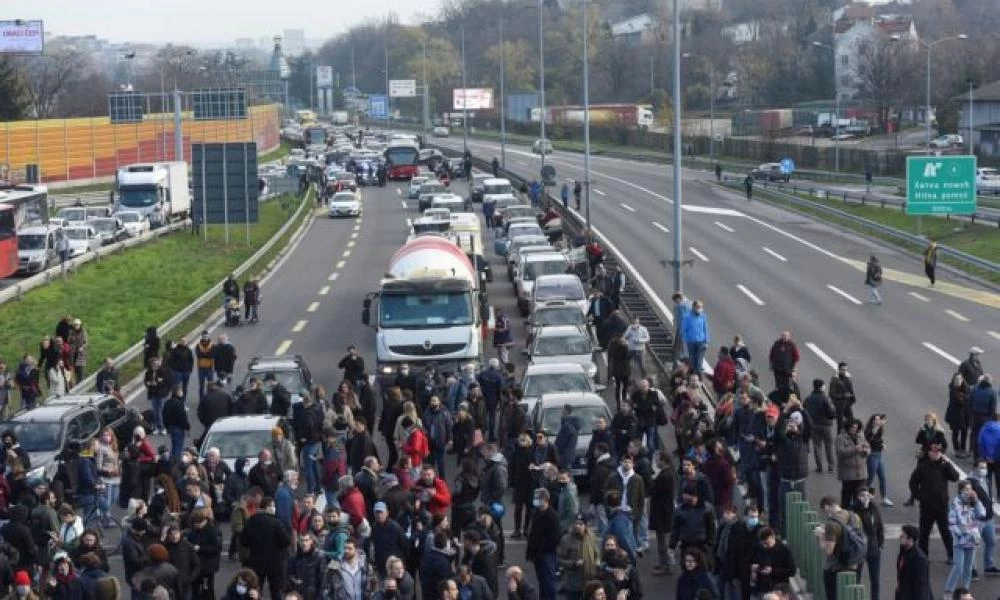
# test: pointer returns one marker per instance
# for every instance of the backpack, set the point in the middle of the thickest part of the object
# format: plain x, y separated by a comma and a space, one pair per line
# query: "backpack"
853, 541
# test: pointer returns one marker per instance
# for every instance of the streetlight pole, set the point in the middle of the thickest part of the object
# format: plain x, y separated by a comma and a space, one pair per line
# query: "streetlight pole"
385, 50
586, 116
541, 72
711, 112
423, 75
678, 251
836, 116
971, 148
465, 97
503, 100
930, 47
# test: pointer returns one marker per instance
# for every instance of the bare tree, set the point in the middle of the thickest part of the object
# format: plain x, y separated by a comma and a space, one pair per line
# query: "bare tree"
47, 76
883, 68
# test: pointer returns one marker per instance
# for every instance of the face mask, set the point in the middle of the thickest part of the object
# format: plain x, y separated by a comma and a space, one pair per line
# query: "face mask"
268, 463
241, 589
751, 521
23, 590
982, 473
536, 503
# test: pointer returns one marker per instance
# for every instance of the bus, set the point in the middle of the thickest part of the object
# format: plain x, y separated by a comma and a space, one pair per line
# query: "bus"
305, 117
19, 205
402, 159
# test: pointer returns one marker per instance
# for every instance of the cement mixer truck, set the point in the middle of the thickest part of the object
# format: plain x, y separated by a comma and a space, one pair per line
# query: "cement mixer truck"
429, 309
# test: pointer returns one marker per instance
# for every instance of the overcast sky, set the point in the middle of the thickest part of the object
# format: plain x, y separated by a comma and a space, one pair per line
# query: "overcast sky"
206, 21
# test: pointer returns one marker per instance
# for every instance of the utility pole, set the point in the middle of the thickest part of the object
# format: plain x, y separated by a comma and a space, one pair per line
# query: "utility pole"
678, 251
586, 117
354, 72
465, 97
423, 75
388, 100
541, 71
503, 101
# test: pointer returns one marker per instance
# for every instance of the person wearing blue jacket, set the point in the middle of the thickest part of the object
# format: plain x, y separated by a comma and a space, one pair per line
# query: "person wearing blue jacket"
87, 477
694, 330
989, 451
620, 525
284, 498
566, 438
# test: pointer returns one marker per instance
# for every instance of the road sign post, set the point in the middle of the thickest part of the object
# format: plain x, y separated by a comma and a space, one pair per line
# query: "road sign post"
938, 185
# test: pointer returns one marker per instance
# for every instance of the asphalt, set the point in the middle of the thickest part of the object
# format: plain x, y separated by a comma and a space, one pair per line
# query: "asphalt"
901, 354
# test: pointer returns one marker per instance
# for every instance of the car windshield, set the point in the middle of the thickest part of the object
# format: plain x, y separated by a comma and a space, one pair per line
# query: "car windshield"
561, 316
547, 383
238, 444
103, 225
564, 289
76, 233
535, 269
497, 188
129, 217
514, 212
30, 242
562, 345
343, 198
432, 188
138, 196
35, 437
432, 227
72, 214
292, 380
552, 417
426, 310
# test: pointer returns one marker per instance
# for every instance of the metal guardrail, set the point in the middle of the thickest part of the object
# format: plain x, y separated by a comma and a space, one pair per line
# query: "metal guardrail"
909, 238
214, 294
56, 272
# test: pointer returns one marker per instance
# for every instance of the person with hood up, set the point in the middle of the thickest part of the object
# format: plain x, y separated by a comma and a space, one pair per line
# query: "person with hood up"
566, 438
436, 565
724, 373
694, 577
184, 556
206, 539
619, 577
464, 494
480, 555
971, 368
491, 384
495, 479
578, 557
694, 522
63, 582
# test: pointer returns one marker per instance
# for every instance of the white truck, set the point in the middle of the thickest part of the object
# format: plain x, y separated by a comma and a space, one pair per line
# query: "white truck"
158, 190
429, 309
339, 117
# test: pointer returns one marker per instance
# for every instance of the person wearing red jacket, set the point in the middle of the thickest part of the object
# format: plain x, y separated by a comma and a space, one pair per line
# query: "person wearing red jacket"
724, 374
433, 491
415, 446
352, 501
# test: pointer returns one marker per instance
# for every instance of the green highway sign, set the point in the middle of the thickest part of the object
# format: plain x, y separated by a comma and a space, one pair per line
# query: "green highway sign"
937, 185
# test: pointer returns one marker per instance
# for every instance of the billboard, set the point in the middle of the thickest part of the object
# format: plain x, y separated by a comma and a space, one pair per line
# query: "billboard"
21, 37
472, 99
324, 76
224, 181
402, 88
378, 106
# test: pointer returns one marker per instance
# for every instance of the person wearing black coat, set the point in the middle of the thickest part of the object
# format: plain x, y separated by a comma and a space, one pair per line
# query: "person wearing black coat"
387, 539
305, 570
619, 368
543, 541
206, 538
871, 521
267, 540
773, 561
604, 467
366, 398
360, 445
913, 578
435, 567
216, 404
524, 484
481, 556
252, 401
265, 474
624, 427
929, 486
17, 533
661, 509
184, 556
175, 419
180, 360
281, 399
600, 434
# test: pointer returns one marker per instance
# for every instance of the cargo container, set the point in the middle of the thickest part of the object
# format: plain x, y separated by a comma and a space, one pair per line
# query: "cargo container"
627, 115
519, 106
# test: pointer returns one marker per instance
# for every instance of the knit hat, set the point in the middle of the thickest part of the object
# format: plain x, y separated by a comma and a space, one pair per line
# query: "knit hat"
22, 578
159, 553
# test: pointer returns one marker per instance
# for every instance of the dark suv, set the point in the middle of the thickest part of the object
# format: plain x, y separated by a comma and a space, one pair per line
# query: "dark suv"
291, 371
48, 431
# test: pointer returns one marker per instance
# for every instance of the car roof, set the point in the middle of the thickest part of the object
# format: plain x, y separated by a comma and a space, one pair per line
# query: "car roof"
496, 181
559, 331
544, 256
48, 413
550, 368
571, 398
246, 423
77, 399
38, 229
264, 363
557, 277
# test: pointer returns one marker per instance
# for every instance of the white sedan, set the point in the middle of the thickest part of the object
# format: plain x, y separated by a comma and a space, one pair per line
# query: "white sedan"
82, 239
134, 221
345, 204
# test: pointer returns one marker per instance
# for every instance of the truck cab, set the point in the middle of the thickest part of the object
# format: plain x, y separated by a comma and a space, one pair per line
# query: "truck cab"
157, 190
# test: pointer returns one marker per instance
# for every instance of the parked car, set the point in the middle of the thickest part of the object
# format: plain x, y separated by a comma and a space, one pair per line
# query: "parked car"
73, 215
82, 239
47, 431
532, 266
546, 417
109, 230
542, 147
120, 418
415, 184
440, 132
987, 181
135, 222
769, 172
242, 436
36, 248
565, 289
949, 140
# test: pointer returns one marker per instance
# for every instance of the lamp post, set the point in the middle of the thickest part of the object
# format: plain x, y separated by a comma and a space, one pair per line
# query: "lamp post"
971, 148
465, 98
586, 117
678, 252
541, 73
503, 100
711, 102
836, 114
930, 48
423, 75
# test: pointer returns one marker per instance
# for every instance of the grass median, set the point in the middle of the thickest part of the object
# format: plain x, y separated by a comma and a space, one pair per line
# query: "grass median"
277, 154
979, 240
123, 294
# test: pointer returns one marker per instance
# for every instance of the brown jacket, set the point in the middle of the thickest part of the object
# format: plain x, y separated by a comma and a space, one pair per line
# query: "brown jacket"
852, 452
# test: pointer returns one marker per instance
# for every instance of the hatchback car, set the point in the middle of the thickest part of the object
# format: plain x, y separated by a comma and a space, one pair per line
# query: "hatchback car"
529, 268
440, 132
242, 436
109, 230
563, 344
415, 184
770, 172
345, 204
542, 147
135, 222
566, 289
82, 239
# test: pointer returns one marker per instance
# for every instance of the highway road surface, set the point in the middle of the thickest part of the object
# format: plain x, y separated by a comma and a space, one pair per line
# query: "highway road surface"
761, 270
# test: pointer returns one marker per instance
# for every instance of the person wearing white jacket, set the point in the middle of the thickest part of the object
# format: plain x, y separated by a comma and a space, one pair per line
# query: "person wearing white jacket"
963, 519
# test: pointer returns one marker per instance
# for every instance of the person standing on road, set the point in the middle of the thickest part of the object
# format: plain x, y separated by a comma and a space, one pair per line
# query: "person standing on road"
180, 360
79, 343
957, 415
784, 358
873, 279
964, 516
491, 384
695, 332
496, 167
267, 541
852, 461
158, 385
224, 357
204, 352
929, 485
913, 578
543, 543
619, 368
874, 528
718, 171
842, 395
175, 419
822, 414
577, 193
251, 299
874, 435
353, 366
979, 479
637, 337
930, 261
983, 406
564, 194
231, 289
971, 368
503, 336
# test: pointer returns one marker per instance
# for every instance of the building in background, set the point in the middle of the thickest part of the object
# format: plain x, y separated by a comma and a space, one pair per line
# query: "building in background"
985, 118
857, 24
293, 41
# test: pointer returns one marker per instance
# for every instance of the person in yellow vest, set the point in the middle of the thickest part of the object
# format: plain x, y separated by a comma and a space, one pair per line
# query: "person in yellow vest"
204, 353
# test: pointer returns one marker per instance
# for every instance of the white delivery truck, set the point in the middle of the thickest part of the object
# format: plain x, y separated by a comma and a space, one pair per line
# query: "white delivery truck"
429, 309
158, 190
339, 117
